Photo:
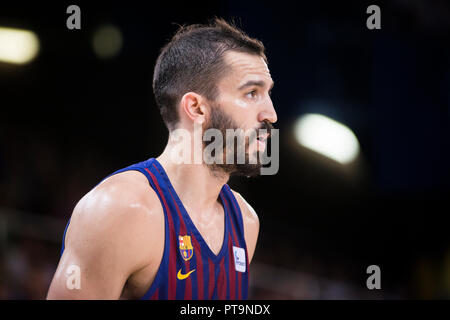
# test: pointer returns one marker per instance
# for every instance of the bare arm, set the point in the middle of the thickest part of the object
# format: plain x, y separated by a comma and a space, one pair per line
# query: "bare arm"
108, 239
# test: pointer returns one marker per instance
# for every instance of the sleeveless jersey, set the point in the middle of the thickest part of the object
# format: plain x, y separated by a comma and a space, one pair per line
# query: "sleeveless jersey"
189, 269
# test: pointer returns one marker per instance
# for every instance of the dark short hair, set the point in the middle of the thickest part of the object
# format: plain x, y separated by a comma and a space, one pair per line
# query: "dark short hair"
193, 61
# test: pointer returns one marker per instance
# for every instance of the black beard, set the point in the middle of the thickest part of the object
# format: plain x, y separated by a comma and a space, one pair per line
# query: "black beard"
221, 121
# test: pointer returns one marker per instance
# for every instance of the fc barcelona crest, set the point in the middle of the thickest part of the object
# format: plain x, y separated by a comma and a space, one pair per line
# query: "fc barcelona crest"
186, 249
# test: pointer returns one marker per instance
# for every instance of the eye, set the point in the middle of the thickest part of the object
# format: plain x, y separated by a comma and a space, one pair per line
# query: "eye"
251, 94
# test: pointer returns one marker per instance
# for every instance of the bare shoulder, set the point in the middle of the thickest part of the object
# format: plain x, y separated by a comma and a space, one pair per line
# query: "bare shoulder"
116, 231
125, 196
122, 212
249, 214
251, 223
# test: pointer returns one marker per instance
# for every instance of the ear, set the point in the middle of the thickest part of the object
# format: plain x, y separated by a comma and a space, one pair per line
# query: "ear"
193, 106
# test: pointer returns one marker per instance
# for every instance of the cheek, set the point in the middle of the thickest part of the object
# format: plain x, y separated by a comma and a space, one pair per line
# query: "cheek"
244, 111
241, 103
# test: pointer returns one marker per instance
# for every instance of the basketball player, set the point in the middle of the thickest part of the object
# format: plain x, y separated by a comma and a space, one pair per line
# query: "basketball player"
162, 230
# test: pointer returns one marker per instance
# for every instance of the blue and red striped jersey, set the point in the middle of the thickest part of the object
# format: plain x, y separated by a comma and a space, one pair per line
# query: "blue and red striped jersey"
189, 269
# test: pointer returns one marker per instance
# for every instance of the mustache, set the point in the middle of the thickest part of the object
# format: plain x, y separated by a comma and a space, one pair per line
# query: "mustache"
267, 125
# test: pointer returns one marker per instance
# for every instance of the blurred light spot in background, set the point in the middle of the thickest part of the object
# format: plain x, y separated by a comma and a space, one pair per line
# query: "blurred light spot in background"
107, 41
327, 137
18, 46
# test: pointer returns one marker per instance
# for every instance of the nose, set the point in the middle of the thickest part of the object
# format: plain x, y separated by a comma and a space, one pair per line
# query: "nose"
268, 113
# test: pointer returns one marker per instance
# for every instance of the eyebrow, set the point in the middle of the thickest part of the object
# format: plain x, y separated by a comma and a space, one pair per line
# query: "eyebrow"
257, 83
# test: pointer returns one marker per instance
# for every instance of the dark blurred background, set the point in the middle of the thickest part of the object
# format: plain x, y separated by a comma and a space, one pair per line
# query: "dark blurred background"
84, 108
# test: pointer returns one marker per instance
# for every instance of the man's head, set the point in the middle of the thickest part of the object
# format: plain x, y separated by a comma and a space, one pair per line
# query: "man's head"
217, 76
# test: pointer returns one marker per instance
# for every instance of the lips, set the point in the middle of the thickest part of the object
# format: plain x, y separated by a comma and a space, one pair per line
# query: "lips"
263, 137
261, 144
261, 141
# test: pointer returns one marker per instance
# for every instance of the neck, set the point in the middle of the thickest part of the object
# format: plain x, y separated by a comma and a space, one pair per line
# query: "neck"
196, 185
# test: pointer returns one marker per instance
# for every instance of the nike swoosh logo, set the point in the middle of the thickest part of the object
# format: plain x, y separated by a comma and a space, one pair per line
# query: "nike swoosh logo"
182, 276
